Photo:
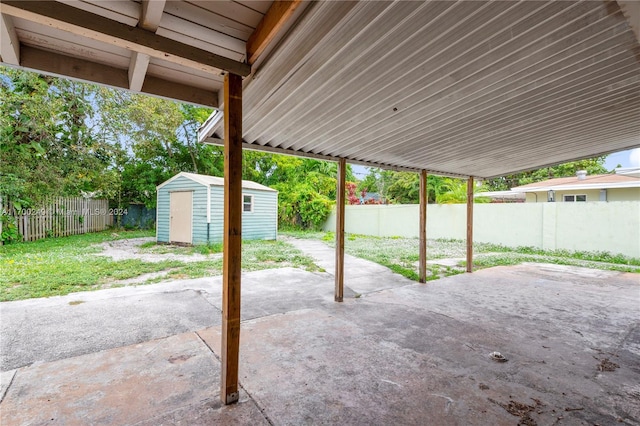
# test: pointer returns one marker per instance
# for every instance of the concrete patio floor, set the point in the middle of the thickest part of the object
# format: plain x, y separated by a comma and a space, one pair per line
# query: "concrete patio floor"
408, 354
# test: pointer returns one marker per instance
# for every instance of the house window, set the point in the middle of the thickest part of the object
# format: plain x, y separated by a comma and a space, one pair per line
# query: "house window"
247, 203
575, 198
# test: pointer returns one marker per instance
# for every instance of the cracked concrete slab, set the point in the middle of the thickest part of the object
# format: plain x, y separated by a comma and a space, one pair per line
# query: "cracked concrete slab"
6, 378
151, 383
41, 330
420, 353
410, 354
81, 323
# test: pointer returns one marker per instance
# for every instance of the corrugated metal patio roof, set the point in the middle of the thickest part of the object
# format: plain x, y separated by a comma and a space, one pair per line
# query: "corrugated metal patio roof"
480, 88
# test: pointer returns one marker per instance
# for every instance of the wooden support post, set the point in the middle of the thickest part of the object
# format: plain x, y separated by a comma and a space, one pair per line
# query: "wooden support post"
340, 201
232, 238
470, 224
423, 227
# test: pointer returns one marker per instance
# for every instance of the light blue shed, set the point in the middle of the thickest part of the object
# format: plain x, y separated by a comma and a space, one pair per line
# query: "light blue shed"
190, 210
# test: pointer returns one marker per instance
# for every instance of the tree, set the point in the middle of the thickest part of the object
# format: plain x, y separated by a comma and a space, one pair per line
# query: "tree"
352, 197
307, 188
593, 166
404, 187
48, 145
401, 187
455, 191
160, 139
307, 191
68, 138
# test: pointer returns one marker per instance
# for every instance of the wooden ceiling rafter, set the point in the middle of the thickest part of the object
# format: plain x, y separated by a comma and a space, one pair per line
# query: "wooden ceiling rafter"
151, 14
9, 43
82, 69
95, 27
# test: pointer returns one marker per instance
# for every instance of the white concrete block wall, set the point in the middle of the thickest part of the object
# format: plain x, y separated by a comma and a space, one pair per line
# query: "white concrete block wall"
597, 226
511, 225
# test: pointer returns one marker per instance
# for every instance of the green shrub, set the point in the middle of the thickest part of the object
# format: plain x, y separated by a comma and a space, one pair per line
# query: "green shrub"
10, 233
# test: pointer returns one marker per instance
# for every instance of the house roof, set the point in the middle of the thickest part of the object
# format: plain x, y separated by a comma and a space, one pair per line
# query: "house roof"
215, 181
501, 195
589, 182
482, 88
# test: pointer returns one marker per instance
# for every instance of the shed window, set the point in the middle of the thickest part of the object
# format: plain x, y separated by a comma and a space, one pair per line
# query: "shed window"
247, 203
575, 198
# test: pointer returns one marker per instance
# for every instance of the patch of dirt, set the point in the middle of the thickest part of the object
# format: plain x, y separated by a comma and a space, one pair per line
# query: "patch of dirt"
140, 279
521, 410
130, 249
606, 365
178, 359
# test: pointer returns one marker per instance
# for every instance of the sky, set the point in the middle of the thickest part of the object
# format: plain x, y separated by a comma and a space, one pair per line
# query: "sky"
629, 158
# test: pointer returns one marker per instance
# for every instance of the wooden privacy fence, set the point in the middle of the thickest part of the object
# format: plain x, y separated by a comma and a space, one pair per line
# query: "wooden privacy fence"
59, 217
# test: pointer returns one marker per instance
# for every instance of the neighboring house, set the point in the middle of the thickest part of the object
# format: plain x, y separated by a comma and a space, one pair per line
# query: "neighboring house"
370, 198
502, 196
190, 210
583, 188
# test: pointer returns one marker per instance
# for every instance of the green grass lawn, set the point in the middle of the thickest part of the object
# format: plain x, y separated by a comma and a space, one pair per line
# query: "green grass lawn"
401, 254
58, 266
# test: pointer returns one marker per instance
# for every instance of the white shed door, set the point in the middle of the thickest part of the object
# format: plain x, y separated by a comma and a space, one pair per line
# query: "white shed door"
180, 217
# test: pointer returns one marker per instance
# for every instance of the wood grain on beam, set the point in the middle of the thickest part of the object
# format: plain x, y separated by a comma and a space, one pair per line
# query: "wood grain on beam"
151, 14
180, 92
9, 43
340, 202
232, 238
422, 262
66, 66
138, 70
470, 224
86, 24
272, 22
150, 17
631, 10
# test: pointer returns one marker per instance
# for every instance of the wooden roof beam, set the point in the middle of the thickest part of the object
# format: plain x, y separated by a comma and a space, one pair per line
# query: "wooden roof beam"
631, 10
150, 18
9, 43
138, 70
86, 24
151, 14
272, 22
93, 72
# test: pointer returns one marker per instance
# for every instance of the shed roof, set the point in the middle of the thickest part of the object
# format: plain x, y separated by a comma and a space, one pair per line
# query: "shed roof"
482, 88
207, 180
607, 181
